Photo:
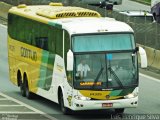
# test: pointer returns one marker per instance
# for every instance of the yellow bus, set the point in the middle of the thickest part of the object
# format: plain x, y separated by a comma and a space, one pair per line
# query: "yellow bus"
73, 57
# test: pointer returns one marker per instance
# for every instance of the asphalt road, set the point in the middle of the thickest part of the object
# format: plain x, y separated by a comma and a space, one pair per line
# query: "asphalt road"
131, 5
149, 97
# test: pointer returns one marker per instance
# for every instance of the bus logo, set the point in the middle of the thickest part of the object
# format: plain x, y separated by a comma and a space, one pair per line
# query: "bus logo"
107, 97
27, 53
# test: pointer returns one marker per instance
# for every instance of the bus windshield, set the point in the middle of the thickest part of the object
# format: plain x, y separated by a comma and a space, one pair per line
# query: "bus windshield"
105, 71
103, 42
104, 61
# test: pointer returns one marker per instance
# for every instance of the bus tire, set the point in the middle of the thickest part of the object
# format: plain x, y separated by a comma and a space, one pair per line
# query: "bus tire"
22, 89
119, 111
65, 110
20, 84
27, 92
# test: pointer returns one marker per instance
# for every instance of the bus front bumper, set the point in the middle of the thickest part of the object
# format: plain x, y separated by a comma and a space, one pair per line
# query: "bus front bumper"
103, 104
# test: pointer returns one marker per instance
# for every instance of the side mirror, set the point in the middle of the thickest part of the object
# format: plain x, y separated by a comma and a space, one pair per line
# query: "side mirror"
143, 57
69, 60
136, 50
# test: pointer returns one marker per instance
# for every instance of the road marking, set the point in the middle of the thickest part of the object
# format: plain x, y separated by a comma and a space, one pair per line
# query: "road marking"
3, 99
27, 106
4, 26
149, 77
10, 105
6, 112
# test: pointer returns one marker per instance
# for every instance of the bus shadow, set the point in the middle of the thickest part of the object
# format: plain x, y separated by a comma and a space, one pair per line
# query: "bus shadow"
90, 115
74, 115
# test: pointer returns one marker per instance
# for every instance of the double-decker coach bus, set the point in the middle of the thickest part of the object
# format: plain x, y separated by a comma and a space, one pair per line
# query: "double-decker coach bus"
47, 43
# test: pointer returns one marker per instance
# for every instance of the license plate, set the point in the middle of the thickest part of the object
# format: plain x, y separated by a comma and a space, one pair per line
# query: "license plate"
107, 104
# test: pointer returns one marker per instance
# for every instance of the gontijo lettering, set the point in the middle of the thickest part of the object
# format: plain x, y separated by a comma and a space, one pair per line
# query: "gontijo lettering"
27, 53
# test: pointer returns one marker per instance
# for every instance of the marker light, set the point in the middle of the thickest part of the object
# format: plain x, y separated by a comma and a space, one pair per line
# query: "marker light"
132, 95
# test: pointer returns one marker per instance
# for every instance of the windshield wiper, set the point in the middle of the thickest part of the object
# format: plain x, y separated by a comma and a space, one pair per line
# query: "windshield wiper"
116, 77
133, 61
98, 76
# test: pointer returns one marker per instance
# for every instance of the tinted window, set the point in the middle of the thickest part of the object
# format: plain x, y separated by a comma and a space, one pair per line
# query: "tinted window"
35, 33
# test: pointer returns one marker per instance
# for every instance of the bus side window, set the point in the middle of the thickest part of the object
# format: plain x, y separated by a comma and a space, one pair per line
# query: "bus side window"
51, 40
42, 42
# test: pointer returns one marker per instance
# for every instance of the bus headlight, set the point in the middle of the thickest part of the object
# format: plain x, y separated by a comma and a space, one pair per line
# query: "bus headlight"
131, 95
79, 97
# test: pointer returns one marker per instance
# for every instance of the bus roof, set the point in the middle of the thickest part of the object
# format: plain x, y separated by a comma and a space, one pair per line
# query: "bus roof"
76, 20
93, 25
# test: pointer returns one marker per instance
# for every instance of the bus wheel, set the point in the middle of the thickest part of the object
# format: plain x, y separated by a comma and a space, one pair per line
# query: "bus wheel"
27, 92
61, 102
119, 111
22, 89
